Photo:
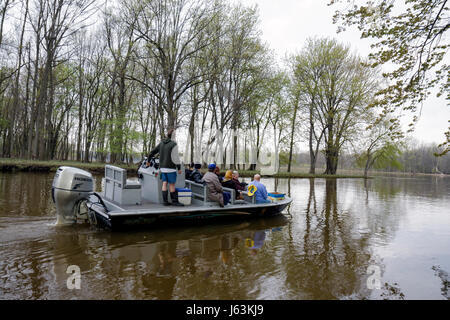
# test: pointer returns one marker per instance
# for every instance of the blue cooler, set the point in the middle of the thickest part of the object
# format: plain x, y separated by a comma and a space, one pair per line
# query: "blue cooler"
275, 196
184, 196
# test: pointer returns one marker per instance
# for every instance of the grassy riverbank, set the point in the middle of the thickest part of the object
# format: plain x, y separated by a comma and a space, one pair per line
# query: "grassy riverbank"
17, 165
13, 165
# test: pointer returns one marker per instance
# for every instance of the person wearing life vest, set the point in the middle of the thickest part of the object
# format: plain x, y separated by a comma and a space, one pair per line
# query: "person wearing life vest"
261, 191
169, 163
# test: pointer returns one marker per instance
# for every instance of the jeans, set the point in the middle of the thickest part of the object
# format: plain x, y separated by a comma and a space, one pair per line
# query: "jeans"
226, 197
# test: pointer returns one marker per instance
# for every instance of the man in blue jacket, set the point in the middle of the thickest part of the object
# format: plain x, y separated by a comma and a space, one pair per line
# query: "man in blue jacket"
261, 191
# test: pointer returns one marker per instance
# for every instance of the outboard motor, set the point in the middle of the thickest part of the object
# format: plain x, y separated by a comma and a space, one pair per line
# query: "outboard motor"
70, 186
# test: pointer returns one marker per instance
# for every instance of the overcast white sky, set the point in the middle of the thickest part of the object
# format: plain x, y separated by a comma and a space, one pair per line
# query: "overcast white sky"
286, 24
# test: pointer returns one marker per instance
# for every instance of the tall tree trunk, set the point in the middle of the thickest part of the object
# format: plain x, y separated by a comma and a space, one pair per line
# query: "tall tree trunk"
39, 142
192, 126
331, 150
51, 136
331, 156
312, 154
25, 137
2, 21
80, 108
16, 97
291, 147
31, 129
192, 137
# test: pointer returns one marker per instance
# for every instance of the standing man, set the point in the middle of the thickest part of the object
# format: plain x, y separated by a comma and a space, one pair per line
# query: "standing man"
169, 162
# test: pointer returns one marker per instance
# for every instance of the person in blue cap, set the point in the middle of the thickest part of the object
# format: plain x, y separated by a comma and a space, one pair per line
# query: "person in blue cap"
215, 190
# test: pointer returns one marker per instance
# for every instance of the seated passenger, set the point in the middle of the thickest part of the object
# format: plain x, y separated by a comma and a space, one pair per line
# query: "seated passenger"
261, 192
228, 176
217, 172
239, 185
196, 175
188, 172
215, 190
230, 182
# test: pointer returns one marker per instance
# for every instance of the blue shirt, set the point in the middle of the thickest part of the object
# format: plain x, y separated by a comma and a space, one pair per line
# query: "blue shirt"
261, 192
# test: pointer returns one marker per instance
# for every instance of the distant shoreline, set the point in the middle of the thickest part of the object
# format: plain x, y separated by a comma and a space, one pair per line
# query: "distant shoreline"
23, 165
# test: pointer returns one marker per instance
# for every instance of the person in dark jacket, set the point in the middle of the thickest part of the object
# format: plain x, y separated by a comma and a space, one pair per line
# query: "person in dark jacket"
188, 172
196, 175
169, 163
219, 175
239, 185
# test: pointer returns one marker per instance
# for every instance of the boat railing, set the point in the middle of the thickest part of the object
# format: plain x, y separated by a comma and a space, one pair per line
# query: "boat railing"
198, 190
247, 198
233, 194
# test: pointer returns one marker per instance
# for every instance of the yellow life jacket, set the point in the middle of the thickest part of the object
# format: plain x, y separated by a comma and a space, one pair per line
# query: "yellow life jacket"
251, 190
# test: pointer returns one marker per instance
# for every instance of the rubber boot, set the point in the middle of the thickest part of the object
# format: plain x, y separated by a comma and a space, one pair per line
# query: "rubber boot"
165, 195
174, 197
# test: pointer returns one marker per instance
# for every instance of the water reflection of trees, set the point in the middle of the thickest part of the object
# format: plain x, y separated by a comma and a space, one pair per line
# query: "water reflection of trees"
445, 279
330, 262
26, 194
424, 186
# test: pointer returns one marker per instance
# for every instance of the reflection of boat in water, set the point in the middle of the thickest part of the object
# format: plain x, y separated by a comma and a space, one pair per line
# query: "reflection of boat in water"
123, 202
143, 264
193, 253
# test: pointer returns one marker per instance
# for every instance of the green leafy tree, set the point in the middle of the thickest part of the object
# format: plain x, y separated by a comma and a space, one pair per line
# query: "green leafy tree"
411, 38
380, 148
337, 87
384, 157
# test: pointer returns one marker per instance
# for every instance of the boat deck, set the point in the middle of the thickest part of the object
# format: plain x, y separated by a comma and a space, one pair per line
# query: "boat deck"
197, 206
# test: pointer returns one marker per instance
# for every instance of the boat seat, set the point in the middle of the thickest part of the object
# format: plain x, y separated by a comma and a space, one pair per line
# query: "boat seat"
119, 189
200, 191
132, 185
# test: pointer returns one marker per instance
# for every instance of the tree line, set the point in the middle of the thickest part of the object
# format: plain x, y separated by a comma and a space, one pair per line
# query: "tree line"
86, 79
414, 157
